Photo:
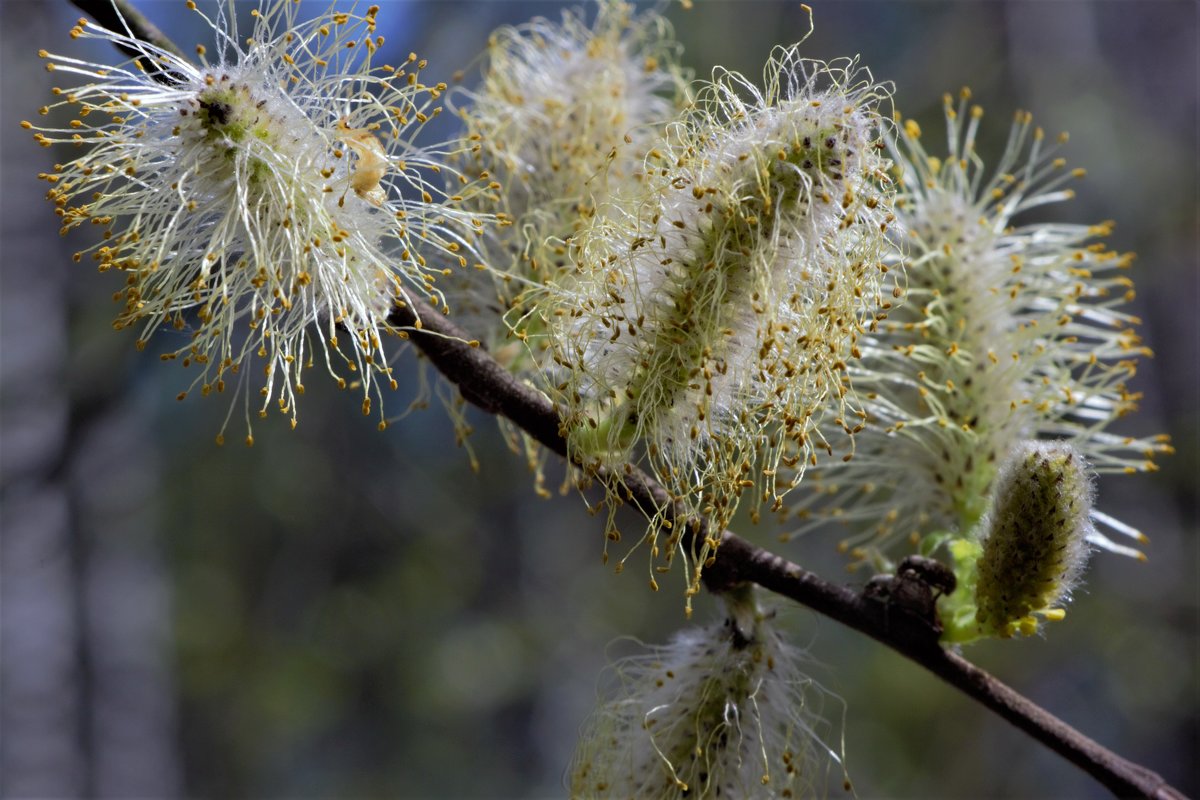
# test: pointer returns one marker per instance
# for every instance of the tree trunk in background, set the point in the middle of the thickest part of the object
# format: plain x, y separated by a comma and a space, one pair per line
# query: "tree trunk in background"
87, 703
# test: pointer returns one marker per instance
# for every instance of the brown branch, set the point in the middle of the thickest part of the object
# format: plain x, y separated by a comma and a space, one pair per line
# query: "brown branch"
485, 383
122, 17
488, 385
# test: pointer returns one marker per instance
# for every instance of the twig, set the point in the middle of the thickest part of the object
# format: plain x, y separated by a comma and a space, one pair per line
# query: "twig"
486, 384
122, 17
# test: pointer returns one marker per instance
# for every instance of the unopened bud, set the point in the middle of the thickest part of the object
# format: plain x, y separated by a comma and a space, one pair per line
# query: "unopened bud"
1035, 540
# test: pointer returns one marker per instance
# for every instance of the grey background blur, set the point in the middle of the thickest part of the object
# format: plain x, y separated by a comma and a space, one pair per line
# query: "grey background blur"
343, 613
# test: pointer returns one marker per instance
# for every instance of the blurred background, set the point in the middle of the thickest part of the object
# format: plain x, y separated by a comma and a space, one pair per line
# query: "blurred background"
339, 612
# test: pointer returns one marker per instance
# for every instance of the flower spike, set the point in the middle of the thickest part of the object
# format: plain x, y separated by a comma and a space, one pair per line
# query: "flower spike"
721, 711
564, 115
1011, 331
706, 330
270, 202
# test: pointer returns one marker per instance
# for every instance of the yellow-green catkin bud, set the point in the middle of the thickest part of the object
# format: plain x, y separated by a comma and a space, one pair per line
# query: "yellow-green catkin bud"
721, 712
1034, 541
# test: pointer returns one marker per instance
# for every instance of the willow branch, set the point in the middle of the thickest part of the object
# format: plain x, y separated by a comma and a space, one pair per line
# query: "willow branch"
122, 17
486, 384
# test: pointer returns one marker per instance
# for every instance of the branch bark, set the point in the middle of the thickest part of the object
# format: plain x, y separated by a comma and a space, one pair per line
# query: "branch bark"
122, 17
486, 384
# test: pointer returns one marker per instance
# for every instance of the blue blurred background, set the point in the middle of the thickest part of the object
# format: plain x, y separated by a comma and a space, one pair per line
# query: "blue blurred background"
339, 612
